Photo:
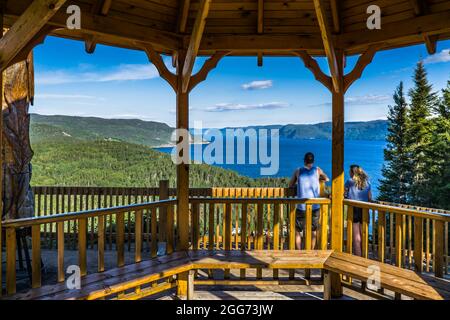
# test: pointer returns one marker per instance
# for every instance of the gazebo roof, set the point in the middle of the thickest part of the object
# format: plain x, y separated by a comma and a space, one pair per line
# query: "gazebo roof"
251, 27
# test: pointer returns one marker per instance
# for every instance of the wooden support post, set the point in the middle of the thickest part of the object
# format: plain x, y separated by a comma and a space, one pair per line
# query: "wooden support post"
1, 164
418, 244
185, 285
365, 233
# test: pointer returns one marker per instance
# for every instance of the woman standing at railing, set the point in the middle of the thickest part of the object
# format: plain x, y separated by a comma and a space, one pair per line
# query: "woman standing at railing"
358, 188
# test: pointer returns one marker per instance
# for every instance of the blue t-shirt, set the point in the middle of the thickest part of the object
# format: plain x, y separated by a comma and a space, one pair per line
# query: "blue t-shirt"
308, 186
352, 192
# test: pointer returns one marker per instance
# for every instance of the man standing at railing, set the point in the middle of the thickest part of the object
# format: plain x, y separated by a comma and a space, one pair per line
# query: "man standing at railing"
307, 179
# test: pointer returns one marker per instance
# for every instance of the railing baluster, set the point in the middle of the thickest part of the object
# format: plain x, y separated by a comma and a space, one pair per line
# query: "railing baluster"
244, 213
11, 261
138, 236
211, 227
82, 227
36, 255
365, 233
398, 239
120, 239
101, 243
292, 235
324, 227
438, 262
227, 233
427, 245
349, 229
60, 246
391, 238
195, 226
170, 221
154, 231
418, 244
259, 234
381, 235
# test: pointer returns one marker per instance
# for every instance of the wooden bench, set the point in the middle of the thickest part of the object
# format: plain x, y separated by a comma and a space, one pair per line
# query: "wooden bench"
146, 278
398, 280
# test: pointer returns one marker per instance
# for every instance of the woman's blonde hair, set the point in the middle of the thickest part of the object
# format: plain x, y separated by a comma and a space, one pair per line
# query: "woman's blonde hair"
359, 176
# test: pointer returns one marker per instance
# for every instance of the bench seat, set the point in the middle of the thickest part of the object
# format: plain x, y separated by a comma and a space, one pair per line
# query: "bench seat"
143, 279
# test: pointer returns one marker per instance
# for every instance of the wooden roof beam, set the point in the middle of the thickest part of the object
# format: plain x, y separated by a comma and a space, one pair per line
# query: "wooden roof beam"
396, 32
194, 43
124, 34
183, 15
328, 44
26, 27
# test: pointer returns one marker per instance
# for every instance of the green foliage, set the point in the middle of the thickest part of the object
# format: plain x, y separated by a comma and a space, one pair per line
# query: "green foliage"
394, 186
417, 169
75, 162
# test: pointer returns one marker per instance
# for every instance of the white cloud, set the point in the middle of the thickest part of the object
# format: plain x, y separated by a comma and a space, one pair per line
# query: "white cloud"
369, 99
258, 85
123, 72
443, 56
223, 107
57, 96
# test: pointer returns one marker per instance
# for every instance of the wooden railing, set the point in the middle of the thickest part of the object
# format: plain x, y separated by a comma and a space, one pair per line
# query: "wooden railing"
407, 237
55, 200
216, 223
139, 215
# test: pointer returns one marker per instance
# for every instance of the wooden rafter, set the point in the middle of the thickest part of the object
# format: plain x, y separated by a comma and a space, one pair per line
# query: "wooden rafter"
209, 65
159, 64
335, 13
327, 43
26, 27
90, 43
194, 43
364, 60
420, 7
314, 67
37, 39
260, 27
430, 43
183, 15
106, 7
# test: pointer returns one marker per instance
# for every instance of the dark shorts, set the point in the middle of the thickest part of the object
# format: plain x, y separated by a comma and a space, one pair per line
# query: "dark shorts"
300, 219
357, 215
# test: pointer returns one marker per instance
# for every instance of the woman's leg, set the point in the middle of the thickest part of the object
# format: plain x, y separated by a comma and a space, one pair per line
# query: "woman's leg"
298, 239
357, 239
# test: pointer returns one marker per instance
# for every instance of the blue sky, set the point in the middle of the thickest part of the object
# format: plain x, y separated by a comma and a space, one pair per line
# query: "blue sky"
120, 83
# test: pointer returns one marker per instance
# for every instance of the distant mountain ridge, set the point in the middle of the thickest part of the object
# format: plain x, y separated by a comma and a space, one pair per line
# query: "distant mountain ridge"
153, 134
369, 130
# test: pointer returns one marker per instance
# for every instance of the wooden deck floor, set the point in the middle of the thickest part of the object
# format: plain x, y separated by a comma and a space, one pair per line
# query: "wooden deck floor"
307, 291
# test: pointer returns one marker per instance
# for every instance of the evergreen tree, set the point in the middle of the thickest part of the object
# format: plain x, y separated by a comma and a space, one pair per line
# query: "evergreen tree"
394, 186
438, 173
419, 136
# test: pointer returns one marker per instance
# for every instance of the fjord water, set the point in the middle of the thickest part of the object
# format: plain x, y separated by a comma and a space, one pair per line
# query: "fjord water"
367, 154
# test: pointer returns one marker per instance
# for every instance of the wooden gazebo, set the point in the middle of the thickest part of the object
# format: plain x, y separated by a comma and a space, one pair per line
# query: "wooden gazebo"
185, 29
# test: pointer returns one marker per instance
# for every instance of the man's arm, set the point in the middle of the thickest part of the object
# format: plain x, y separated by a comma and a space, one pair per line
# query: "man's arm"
322, 175
293, 181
